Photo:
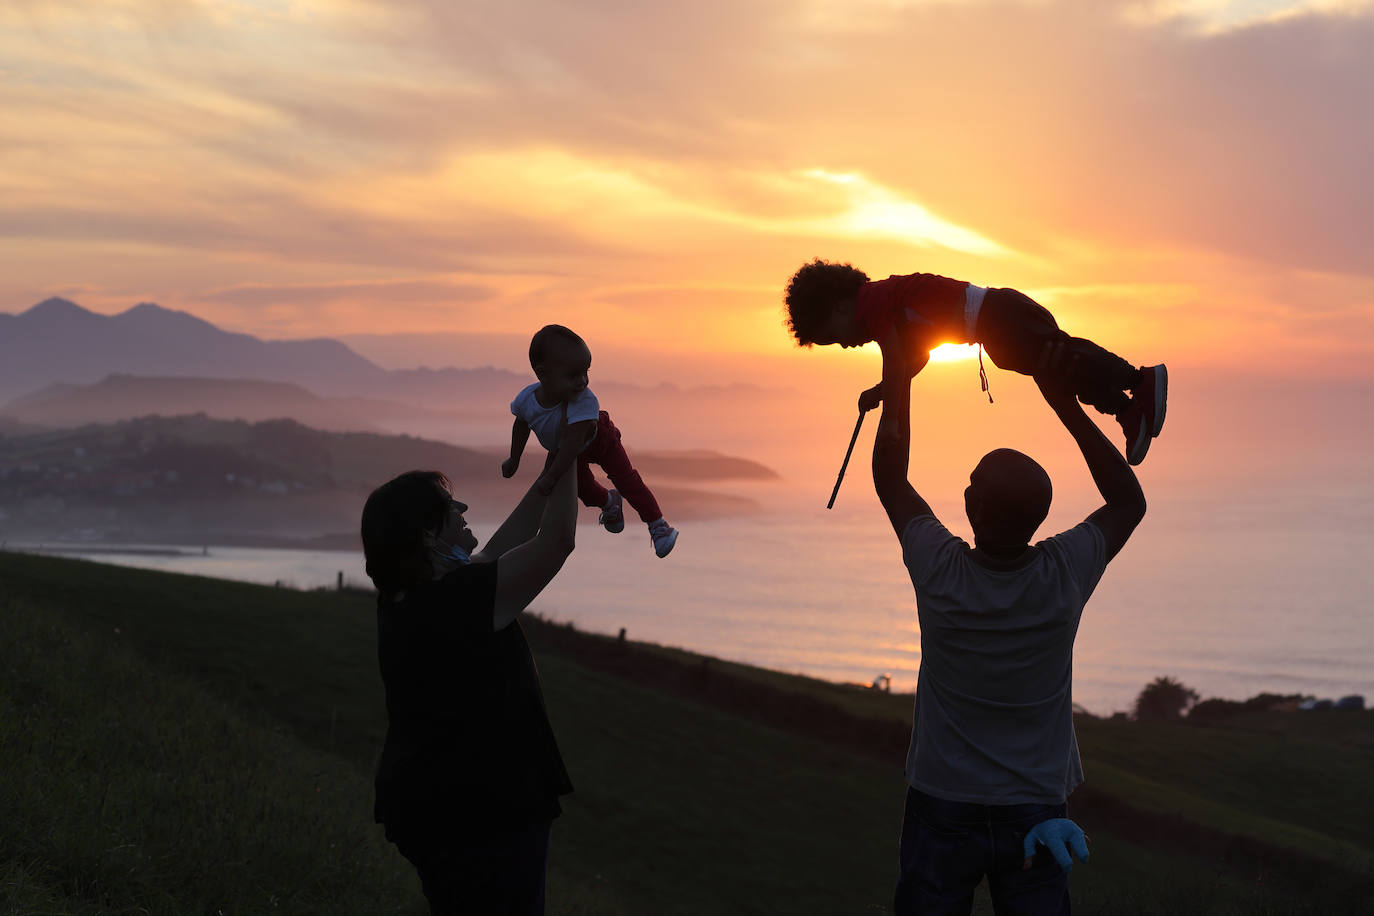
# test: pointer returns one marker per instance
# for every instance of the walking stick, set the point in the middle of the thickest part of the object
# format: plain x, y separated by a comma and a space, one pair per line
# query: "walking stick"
849, 451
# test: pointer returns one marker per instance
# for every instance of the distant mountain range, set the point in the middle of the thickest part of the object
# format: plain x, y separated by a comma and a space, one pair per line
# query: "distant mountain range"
62, 365
58, 341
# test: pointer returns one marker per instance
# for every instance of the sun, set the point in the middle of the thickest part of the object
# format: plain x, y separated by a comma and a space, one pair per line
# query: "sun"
948, 353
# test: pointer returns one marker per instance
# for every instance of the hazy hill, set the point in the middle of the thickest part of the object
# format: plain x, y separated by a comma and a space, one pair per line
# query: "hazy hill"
67, 365
58, 341
12, 427
193, 478
122, 397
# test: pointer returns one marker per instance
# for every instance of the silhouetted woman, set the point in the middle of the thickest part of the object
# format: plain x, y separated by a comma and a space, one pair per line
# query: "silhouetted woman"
469, 778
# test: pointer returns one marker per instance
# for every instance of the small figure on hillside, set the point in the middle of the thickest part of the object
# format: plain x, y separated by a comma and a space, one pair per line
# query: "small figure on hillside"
829, 303
561, 360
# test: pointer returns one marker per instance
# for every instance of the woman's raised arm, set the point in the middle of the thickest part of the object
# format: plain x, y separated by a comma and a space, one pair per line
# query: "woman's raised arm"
524, 570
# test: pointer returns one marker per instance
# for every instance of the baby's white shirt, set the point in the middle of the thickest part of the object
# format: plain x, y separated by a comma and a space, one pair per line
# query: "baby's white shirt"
544, 420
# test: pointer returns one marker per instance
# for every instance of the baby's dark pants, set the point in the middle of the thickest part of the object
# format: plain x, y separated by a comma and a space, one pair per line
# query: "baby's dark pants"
1014, 329
607, 451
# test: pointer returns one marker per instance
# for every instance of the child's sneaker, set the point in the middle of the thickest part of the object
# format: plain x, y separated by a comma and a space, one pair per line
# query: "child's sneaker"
612, 516
1144, 418
663, 535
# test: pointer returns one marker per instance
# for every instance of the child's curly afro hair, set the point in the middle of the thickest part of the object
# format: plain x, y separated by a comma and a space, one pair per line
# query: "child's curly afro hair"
814, 291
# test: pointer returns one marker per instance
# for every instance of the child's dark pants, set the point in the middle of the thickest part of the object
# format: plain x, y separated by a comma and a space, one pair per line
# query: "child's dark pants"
947, 847
607, 451
1014, 328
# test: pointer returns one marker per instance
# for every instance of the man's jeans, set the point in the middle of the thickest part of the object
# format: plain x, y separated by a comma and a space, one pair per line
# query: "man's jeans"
947, 848
495, 872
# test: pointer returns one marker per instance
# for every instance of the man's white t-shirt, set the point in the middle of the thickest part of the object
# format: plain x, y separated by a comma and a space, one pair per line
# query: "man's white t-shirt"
544, 420
994, 706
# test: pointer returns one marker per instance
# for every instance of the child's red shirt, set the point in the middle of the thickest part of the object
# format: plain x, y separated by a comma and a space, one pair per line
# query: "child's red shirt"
934, 304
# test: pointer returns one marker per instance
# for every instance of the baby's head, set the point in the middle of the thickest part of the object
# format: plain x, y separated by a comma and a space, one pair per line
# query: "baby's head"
561, 360
820, 303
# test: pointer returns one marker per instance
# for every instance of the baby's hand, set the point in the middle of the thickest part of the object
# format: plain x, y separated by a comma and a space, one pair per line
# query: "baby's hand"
510, 466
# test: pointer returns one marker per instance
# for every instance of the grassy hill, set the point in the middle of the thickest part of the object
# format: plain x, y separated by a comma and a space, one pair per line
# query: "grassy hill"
175, 744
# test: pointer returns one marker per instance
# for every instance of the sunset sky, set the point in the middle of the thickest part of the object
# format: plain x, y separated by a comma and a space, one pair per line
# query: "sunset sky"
1182, 177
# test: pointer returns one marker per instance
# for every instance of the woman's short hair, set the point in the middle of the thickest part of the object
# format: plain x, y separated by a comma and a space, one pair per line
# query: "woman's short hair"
814, 291
396, 518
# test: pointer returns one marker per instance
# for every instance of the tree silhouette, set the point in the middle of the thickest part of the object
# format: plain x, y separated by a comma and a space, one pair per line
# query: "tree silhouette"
1164, 698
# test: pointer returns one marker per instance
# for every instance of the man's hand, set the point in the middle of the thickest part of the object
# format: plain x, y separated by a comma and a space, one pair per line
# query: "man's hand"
871, 398
1060, 836
510, 466
898, 371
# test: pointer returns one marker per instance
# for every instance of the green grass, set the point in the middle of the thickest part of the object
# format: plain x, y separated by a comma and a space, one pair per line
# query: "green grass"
128, 790
176, 744
1300, 792
679, 808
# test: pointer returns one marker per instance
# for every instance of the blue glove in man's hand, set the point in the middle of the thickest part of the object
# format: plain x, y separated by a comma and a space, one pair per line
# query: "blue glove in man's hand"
1059, 835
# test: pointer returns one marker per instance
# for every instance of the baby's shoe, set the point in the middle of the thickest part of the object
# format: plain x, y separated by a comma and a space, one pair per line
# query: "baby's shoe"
612, 516
1144, 418
663, 535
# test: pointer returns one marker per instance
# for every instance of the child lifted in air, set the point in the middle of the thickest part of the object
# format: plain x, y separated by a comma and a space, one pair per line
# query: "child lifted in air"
560, 360
837, 304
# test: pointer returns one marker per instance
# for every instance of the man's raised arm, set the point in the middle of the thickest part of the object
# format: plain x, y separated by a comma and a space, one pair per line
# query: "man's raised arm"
1125, 501
892, 446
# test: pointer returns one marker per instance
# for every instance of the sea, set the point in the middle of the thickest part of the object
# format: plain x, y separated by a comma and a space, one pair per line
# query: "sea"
1232, 601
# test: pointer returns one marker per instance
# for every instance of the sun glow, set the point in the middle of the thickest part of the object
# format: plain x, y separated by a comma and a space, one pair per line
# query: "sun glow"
950, 352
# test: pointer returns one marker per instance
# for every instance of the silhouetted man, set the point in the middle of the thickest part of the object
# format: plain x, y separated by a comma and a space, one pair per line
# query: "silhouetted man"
993, 750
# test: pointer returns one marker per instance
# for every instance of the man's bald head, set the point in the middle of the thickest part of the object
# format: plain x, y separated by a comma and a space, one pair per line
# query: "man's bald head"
1007, 498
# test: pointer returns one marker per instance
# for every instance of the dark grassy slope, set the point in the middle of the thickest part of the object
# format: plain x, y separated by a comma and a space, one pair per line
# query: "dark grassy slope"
681, 806
128, 789
704, 810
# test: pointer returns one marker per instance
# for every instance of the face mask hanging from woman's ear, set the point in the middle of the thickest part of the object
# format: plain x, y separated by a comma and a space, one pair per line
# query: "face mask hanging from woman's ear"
446, 556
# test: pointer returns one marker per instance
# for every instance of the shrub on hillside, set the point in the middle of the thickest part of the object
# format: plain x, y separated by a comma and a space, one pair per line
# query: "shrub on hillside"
1275, 700
1164, 698
1215, 710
